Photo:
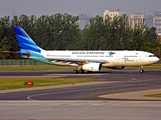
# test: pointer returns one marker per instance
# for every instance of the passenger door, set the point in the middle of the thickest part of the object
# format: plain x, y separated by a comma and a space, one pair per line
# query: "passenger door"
141, 56
118, 56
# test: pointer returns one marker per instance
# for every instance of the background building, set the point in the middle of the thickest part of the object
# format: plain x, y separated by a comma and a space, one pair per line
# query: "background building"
138, 17
111, 14
149, 20
157, 22
83, 20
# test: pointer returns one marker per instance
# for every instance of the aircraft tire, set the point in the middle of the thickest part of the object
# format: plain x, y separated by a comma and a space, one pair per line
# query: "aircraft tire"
81, 71
141, 71
75, 71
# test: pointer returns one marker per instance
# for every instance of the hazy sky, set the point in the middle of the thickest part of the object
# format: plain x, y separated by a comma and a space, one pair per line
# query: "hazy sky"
94, 7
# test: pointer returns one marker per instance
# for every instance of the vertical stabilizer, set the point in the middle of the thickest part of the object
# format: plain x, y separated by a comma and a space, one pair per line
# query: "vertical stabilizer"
25, 42
28, 47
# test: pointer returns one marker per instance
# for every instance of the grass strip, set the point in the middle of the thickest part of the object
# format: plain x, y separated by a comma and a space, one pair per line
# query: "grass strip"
35, 68
65, 68
15, 83
153, 95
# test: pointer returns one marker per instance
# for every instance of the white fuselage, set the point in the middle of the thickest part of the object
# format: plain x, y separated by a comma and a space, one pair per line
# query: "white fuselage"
112, 58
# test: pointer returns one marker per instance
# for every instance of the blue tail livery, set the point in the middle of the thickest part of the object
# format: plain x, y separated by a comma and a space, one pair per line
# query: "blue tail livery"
28, 47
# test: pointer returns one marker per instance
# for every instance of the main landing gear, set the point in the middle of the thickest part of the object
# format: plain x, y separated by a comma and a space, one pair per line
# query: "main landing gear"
142, 69
78, 71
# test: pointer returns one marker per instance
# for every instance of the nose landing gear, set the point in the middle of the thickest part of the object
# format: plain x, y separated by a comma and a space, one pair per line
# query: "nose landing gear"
142, 69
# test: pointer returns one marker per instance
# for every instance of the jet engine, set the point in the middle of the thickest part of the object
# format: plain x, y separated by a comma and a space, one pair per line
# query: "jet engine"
92, 67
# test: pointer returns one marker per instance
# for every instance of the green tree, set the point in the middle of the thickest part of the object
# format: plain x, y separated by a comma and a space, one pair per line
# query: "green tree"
61, 32
5, 46
153, 33
107, 34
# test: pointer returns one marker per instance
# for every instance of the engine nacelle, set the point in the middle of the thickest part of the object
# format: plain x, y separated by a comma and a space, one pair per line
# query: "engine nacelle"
92, 67
117, 67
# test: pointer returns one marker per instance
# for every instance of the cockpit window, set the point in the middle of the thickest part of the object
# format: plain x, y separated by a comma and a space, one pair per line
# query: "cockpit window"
151, 55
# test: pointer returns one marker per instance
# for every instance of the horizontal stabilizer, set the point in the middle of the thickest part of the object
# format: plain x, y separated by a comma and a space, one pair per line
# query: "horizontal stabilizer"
28, 54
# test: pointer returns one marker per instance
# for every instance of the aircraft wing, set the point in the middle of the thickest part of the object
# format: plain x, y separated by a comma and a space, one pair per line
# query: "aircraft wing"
73, 60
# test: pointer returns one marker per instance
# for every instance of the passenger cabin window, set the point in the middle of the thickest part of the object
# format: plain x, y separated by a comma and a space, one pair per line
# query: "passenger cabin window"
151, 55
131, 56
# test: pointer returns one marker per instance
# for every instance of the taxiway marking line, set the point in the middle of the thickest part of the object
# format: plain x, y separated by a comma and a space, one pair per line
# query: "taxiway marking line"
29, 97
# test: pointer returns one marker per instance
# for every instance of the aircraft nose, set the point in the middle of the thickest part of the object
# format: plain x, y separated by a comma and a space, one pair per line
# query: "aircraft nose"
157, 59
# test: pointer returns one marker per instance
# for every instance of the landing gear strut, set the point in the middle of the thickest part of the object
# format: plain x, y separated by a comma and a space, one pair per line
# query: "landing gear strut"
142, 69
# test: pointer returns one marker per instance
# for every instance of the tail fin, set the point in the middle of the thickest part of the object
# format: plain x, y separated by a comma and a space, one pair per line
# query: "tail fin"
25, 42
28, 47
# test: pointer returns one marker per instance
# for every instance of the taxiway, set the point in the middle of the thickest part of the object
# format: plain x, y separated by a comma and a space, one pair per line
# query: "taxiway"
82, 100
111, 82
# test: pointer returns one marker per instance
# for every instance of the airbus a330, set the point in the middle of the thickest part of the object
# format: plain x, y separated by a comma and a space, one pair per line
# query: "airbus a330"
85, 60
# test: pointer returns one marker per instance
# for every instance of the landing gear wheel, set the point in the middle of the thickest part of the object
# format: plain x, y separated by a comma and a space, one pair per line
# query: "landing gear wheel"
141, 71
81, 71
75, 71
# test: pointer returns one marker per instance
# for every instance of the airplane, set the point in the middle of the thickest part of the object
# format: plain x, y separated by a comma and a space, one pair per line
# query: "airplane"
91, 61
